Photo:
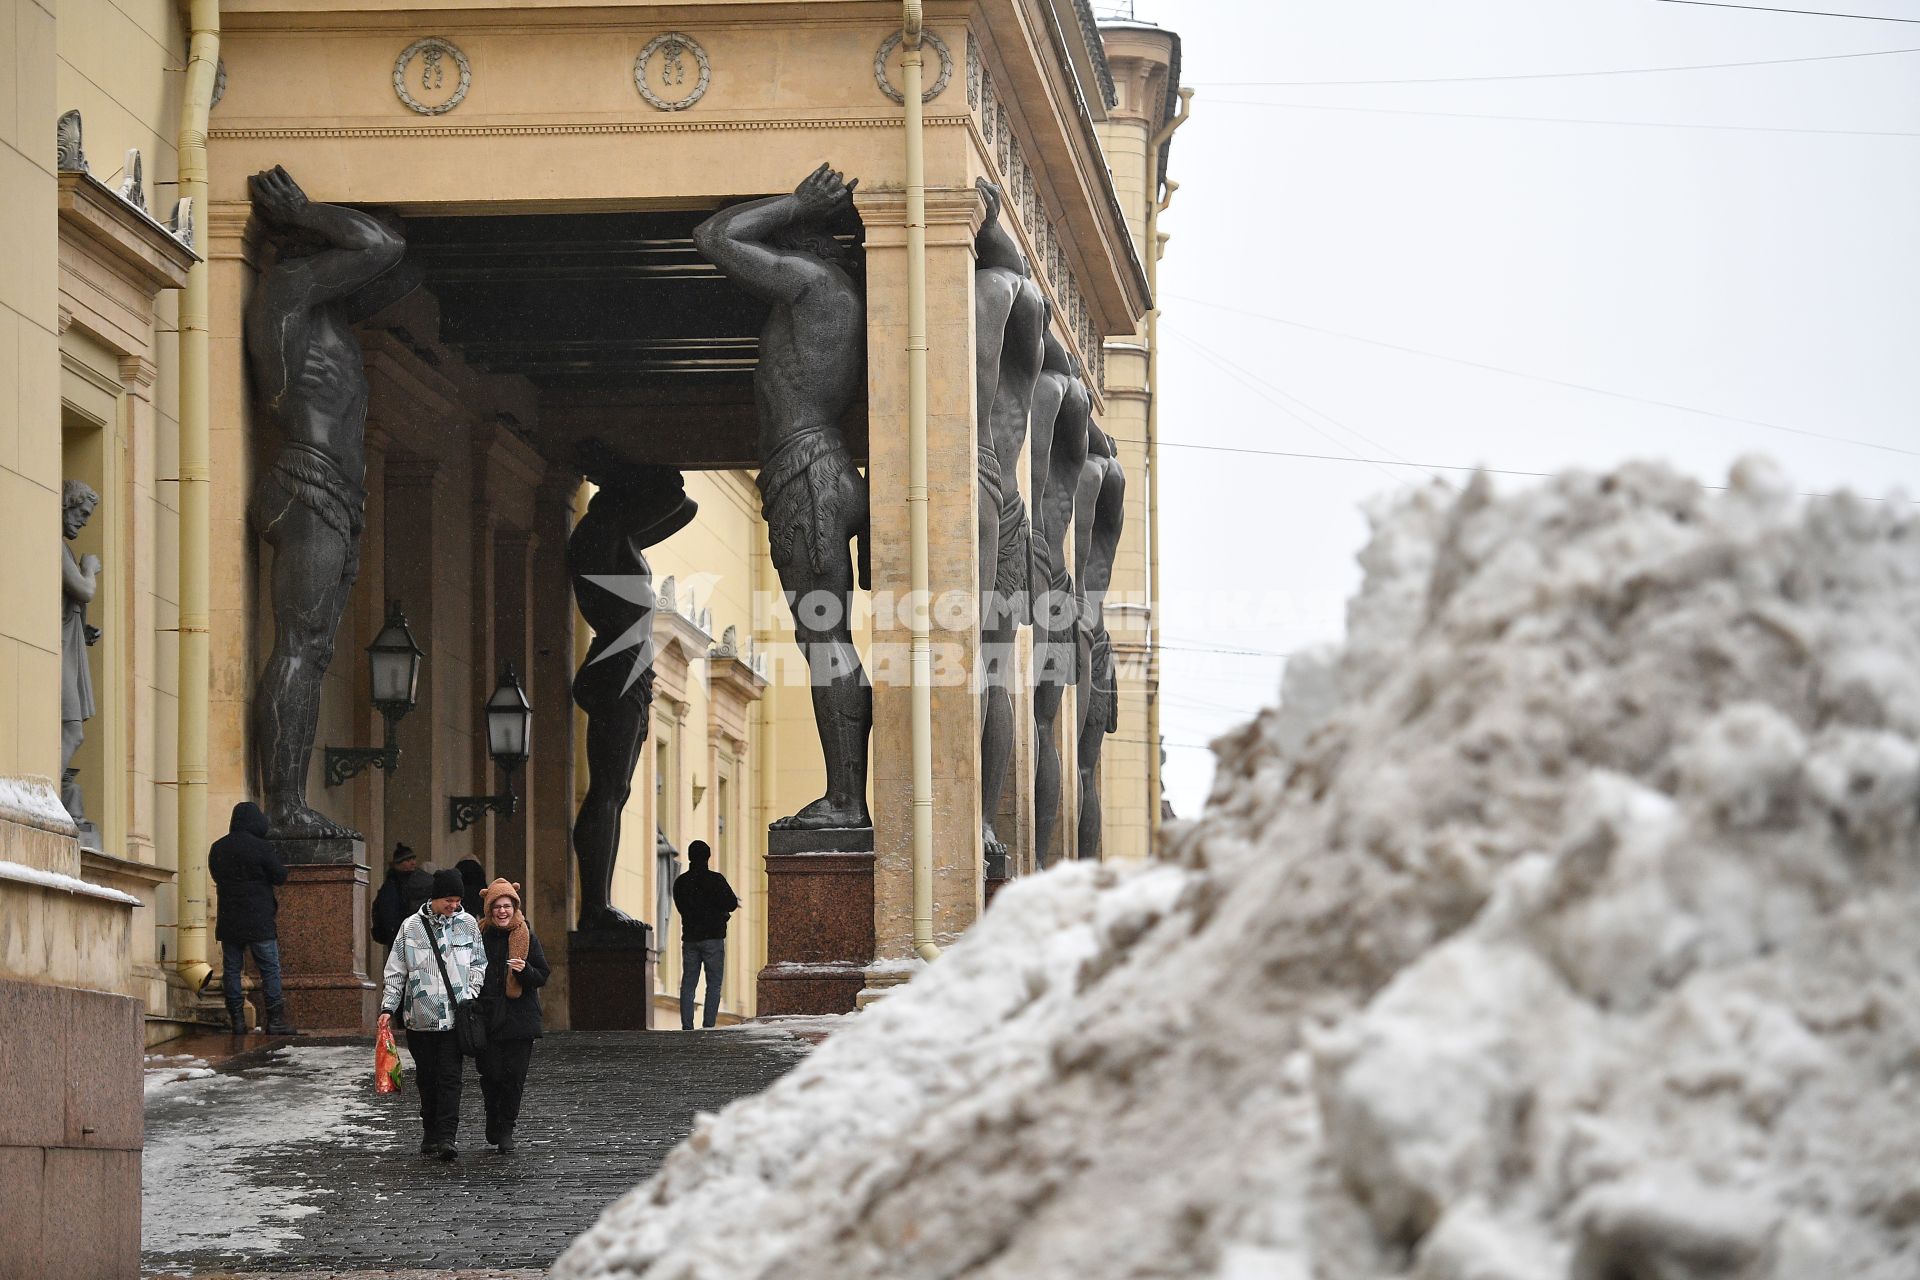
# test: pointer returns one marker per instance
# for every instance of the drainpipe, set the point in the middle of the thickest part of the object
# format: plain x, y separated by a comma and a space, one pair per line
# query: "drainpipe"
203, 55
1155, 244
918, 618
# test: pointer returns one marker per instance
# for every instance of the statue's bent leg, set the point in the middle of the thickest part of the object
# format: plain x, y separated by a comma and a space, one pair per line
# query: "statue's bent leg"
1047, 698
313, 570
842, 698
614, 736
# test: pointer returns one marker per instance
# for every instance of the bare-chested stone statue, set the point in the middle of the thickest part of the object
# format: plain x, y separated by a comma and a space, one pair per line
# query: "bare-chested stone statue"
1009, 316
1099, 510
309, 498
79, 581
1061, 404
812, 353
634, 508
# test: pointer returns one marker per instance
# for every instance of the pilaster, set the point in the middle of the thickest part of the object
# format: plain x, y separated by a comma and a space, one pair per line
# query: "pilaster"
953, 572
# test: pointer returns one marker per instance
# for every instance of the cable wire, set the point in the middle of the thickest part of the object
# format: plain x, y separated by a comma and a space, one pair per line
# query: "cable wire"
1540, 377
1544, 75
1629, 124
1811, 13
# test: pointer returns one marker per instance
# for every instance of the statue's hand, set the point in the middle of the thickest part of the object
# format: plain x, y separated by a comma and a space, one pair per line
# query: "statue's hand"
91, 633
277, 196
823, 193
991, 194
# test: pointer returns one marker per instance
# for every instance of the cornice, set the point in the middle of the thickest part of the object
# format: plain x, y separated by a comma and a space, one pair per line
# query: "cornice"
99, 223
508, 129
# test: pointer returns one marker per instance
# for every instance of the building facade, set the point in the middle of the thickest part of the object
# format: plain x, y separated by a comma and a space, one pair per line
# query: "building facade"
546, 167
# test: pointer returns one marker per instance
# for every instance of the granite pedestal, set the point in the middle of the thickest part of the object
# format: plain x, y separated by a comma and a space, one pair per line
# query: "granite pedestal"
819, 921
323, 923
612, 979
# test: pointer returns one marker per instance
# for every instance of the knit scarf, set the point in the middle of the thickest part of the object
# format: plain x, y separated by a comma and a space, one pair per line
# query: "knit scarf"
518, 941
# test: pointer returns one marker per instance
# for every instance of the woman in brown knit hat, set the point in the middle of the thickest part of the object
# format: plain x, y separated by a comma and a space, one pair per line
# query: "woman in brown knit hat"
516, 970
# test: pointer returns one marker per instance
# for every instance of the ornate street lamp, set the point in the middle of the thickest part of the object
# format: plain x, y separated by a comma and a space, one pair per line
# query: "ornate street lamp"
509, 734
393, 666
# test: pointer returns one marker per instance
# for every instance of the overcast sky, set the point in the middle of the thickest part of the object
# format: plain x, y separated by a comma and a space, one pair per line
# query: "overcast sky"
1765, 271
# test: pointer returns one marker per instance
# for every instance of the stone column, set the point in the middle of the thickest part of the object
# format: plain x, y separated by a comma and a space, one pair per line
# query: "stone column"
513, 640
549, 780
953, 571
134, 751
416, 808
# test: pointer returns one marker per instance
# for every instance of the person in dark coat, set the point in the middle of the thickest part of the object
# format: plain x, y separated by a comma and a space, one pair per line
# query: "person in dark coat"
704, 900
516, 970
245, 868
405, 889
474, 877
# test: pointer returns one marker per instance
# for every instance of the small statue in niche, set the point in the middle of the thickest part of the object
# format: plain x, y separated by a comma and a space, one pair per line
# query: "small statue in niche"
79, 582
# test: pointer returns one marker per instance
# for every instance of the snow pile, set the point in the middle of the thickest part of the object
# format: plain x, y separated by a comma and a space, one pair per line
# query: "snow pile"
1560, 924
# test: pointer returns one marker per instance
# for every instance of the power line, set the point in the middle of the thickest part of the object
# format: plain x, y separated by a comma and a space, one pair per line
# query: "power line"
1628, 124
1214, 648
1811, 13
1544, 75
1540, 377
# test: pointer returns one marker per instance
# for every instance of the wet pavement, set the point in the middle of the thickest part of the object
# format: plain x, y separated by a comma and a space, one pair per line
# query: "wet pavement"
285, 1161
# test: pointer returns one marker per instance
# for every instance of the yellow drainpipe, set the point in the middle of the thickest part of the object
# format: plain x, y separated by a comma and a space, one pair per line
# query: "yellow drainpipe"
1154, 246
203, 55
921, 649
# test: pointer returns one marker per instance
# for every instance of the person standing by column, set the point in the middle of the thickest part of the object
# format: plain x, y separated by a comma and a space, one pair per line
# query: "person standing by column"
516, 970
704, 900
245, 868
437, 961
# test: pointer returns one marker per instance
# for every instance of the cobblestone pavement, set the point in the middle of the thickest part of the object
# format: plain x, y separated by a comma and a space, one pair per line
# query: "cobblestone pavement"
287, 1163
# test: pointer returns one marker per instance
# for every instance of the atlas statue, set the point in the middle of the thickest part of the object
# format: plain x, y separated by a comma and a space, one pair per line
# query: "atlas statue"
329, 267
782, 250
1009, 317
634, 508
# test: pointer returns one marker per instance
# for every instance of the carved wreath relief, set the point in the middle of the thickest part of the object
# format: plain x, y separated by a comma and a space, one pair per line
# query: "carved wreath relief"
422, 65
885, 52
674, 49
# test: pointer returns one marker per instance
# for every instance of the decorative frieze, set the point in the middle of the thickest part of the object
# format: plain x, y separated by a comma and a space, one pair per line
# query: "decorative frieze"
1021, 189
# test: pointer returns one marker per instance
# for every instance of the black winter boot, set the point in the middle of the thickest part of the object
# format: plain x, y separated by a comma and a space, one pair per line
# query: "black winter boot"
277, 1024
237, 1017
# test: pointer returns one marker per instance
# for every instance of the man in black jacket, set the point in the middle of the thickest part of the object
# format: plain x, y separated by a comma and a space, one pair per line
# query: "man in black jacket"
245, 868
704, 900
406, 887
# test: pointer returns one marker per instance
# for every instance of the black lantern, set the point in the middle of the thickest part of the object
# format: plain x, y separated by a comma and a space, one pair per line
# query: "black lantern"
393, 668
509, 737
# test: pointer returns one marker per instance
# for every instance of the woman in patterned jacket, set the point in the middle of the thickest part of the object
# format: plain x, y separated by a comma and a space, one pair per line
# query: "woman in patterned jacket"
416, 989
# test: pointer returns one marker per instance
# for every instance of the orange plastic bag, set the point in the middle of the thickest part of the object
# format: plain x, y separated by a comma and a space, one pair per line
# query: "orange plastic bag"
386, 1063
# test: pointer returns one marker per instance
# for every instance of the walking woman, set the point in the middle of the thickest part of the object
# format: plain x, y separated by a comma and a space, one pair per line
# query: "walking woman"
436, 962
516, 970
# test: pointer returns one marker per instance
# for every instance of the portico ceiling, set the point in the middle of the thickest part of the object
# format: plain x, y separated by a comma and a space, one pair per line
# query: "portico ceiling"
630, 336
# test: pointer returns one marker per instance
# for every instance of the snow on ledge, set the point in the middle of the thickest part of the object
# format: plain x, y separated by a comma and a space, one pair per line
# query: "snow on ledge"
20, 873
33, 800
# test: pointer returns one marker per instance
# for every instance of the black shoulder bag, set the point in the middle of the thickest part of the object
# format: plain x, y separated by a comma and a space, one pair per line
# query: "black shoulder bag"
469, 1016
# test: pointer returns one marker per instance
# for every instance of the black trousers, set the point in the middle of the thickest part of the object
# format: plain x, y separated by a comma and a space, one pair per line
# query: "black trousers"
437, 1071
503, 1078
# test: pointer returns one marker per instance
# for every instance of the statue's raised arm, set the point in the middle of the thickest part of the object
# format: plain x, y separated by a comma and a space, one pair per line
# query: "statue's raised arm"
745, 240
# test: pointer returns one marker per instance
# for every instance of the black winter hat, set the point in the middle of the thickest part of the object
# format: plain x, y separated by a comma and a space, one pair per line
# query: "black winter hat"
448, 884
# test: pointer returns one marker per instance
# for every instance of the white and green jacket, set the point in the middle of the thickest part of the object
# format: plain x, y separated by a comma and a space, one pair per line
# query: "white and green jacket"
413, 985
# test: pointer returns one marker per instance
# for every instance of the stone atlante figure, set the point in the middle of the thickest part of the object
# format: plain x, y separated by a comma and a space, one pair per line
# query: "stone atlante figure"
1099, 510
331, 265
812, 354
635, 508
1061, 405
1009, 317
79, 581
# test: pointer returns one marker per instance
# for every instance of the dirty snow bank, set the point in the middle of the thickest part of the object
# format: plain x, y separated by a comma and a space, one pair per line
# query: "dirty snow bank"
1559, 924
